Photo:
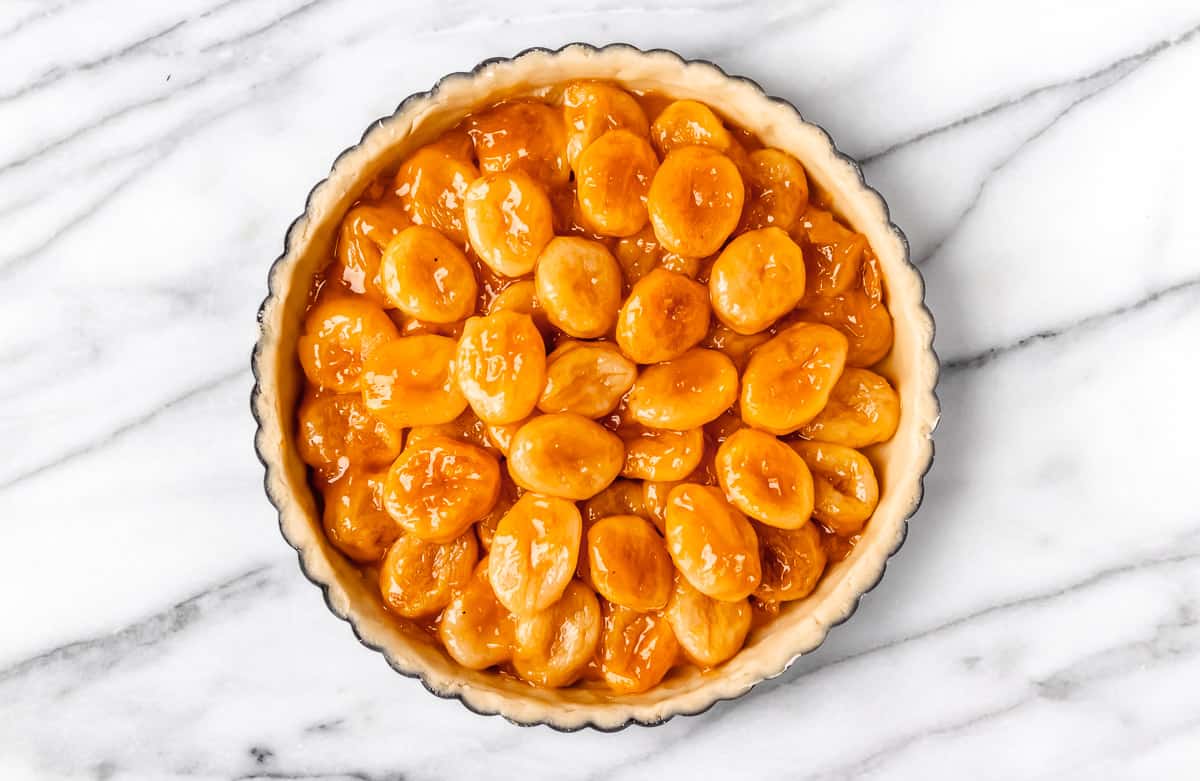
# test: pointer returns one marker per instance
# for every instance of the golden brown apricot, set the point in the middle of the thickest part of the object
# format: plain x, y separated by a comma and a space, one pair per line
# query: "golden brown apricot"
865, 323
477, 631
695, 201
684, 392
509, 220
338, 431
736, 346
354, 518
410, 382
788, 380
621, 497
485, 527
862, 410
628, 562
778, 190
432, 186
534, 551
586, 378
579, 286
501, 366
708, 630
832, 250
636, 649
591, 109
339, 334
712, 543
613, 178
521, 297
688, 123
792, 562
438, 487
364, 235
659, 454
419, 577
521, 135
565, 455
765, 479
556, 644
424, 275
845, 490
467, 427
758, 278
638, 255
665, 315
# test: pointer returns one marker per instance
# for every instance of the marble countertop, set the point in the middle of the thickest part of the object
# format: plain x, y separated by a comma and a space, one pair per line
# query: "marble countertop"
1043, 619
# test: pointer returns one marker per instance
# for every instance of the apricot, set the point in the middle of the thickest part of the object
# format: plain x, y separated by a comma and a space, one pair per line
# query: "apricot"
432, 185
613, 178
411, 382
628, 563
685, 392
709, 631
509, 221
354, 518
637, 650
793, 560
845, 490
591, 109
566, 455
695, 201
865, 323
418, 577
862, 409
534, 551
501, 366
521, 135
476, 630
587, 378
555, 645
788, 380
579, 286
337, 431
765, 479
438, 487
339, 334
665, 315
758, 278
426, 276
688, 123
712, 543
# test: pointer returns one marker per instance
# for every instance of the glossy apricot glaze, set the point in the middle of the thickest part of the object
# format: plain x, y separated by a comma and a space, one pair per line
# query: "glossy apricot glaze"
587, 384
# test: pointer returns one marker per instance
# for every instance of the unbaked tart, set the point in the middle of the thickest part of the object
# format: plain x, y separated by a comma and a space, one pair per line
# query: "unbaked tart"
594, 387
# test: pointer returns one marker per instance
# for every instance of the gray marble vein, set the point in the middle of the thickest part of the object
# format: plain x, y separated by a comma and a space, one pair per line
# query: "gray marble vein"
1114, 70
1185, 290
1041, 621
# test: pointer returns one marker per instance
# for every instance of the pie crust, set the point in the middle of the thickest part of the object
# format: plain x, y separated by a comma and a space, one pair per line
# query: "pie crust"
801, 626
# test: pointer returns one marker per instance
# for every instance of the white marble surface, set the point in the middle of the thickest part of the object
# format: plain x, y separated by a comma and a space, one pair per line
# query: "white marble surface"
1043, 619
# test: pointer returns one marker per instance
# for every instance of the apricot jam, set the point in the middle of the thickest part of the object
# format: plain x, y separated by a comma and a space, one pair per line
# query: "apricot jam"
588, 380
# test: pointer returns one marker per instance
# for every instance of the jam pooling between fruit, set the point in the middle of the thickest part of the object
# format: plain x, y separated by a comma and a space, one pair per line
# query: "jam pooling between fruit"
588, 386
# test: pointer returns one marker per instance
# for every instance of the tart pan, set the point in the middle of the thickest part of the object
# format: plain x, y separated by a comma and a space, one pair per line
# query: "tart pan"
801, 626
